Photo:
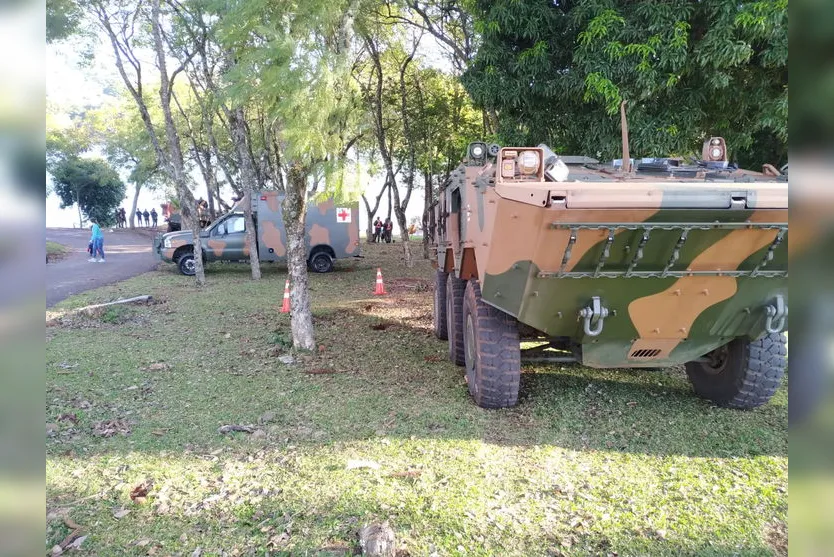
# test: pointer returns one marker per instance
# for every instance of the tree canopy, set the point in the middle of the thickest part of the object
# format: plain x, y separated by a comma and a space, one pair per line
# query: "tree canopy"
557, 72
91, 183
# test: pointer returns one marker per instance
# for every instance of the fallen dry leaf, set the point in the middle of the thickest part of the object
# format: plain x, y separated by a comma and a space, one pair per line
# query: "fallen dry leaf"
354, 464
121, 513
109, 428
407, 474
140, 492
233, 427
158, 366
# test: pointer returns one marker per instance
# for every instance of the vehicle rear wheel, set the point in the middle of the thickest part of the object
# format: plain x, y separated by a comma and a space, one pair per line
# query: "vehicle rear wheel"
454, 317
741, 374
492, 352
186, 265
440, 330
321, 262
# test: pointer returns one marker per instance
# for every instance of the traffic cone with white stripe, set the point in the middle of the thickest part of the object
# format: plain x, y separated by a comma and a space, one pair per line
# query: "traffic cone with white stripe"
380, 287
285, 307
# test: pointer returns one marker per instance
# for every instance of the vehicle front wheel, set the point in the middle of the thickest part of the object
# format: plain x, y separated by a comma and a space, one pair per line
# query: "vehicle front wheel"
440, 330
742, 374
321, 262
186, 265
492, 352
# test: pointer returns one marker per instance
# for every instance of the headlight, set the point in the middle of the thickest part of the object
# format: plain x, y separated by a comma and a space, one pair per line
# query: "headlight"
716, 152
477, 151
166, 243
528, 162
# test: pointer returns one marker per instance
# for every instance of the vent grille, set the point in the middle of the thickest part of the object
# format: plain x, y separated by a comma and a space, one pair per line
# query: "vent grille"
646, 353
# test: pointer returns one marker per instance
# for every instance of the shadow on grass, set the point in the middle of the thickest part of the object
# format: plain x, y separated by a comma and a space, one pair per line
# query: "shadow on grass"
380, 376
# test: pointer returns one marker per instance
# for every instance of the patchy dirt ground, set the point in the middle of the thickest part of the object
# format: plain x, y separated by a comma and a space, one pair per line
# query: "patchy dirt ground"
187, 427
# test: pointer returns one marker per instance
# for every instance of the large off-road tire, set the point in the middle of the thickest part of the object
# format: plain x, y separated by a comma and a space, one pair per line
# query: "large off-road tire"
440, 330
186, 264
742, 374
492, 352
454, 317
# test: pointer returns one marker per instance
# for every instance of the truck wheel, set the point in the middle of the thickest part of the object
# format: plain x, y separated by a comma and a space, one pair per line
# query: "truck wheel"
492, 352
186, 265
454, 317
321, 262
741, 374
440, 330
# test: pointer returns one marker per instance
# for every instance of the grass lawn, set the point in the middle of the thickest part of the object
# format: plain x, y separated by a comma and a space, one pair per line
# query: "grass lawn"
591, 462
56, 251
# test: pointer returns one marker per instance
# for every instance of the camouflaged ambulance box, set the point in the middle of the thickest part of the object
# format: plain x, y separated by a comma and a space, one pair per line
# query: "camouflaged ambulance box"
668, 264
332, 232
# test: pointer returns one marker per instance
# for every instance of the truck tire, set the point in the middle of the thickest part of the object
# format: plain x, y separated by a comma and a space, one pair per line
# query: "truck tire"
321, 262
440, 330
186, 264
454, 317
743, 374
492, 352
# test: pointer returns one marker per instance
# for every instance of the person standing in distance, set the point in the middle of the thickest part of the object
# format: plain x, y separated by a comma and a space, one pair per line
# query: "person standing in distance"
154, 216
97, 239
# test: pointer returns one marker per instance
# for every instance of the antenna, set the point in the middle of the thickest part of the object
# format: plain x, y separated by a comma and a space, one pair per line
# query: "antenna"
624, 123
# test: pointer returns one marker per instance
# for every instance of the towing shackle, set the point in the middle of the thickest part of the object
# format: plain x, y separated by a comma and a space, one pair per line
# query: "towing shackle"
776, 313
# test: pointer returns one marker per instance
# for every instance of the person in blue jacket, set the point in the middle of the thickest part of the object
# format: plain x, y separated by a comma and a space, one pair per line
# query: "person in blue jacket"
97, 239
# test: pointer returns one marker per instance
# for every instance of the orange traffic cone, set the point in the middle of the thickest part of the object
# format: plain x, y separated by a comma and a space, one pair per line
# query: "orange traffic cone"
285, 307
380, 287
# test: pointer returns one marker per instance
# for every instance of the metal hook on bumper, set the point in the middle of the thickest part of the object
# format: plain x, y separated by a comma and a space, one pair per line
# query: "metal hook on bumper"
776, 314
594, 316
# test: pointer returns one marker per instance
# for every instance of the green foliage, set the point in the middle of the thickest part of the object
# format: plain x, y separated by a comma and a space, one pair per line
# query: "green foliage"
91, 183
62, 19
687, 70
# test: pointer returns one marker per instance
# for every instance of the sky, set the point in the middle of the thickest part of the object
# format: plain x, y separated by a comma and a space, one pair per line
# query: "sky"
68, 84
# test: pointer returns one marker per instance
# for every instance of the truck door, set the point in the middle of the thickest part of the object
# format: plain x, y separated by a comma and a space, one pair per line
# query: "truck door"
227, 240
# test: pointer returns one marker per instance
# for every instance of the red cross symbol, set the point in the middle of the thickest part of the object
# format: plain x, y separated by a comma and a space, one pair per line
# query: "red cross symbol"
343, 215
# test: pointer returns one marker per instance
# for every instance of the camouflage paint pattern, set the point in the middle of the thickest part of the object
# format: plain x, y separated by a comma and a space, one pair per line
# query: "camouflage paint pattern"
541, 250
323, 231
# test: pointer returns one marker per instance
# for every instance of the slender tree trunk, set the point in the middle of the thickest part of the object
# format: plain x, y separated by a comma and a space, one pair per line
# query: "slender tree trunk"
247, 171
400, 207
295, 212
211, 183
428, 199
372, 212
399, 212
135, 203
188, 206
390, 205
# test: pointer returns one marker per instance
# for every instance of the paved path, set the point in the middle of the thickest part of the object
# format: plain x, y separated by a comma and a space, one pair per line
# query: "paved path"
128, 254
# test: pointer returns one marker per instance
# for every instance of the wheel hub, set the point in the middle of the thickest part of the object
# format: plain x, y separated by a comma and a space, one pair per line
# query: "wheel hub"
717, 360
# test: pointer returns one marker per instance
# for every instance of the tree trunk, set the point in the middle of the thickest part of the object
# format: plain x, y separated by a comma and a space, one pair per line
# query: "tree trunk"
372, 212
390, 187
399, 212
188, 206
428, 213
135, 203
295, 212
247, 172
400, 207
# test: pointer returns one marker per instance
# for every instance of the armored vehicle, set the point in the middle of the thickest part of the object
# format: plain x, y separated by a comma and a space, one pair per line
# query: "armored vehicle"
331, 233
660, 264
